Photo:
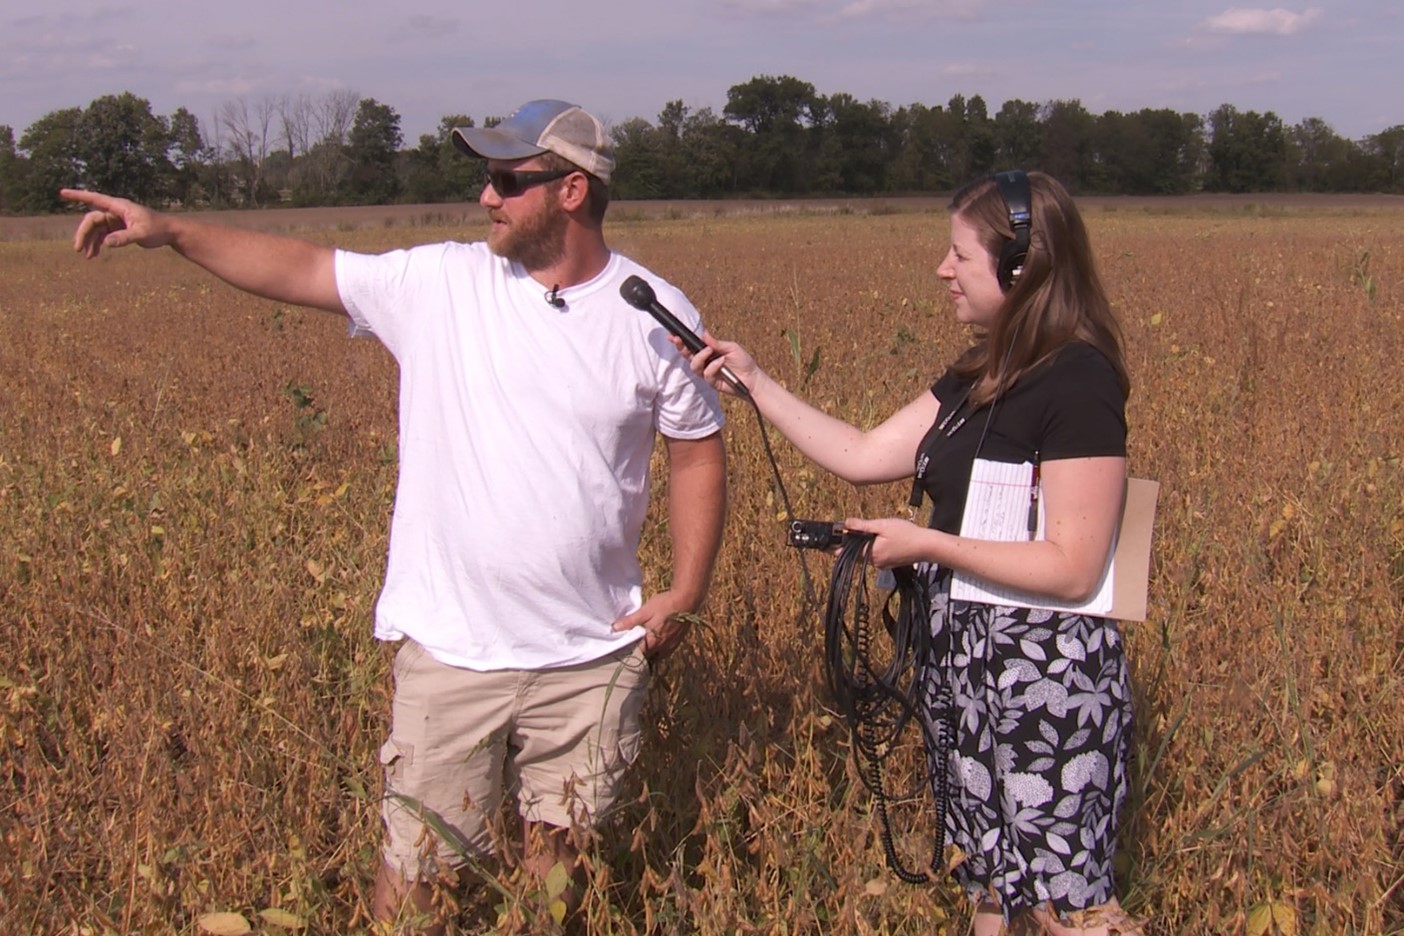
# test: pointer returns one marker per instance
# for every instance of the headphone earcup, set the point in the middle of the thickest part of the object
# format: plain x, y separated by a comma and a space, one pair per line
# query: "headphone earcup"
1018, 202
1011, 263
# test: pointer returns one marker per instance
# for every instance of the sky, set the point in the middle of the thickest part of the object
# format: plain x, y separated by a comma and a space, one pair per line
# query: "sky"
1339, 61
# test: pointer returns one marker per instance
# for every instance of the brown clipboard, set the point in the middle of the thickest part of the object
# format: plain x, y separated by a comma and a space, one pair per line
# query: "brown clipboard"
1128, 566
1131, 558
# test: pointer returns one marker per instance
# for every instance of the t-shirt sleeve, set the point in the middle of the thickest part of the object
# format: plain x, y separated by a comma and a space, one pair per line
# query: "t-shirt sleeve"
947, 390
381, 291
687, 407
1086, 414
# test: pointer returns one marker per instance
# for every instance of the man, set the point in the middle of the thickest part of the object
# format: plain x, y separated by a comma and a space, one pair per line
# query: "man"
530, 394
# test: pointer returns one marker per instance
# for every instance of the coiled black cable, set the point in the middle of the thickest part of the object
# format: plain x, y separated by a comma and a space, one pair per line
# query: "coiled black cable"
880, 702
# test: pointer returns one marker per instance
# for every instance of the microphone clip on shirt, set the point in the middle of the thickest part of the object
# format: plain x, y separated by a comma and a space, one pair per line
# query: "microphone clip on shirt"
553, 296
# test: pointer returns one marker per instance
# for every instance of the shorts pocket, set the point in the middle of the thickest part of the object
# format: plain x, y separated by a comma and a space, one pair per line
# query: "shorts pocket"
638, 662
396, 759
409, 653
630, 743
635, 673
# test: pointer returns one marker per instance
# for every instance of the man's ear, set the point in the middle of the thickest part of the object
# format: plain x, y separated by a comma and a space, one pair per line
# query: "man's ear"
575, 191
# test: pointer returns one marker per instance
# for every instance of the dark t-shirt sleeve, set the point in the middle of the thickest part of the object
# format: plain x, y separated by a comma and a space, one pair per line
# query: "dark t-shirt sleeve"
949, 390
1086, 415
1069, 407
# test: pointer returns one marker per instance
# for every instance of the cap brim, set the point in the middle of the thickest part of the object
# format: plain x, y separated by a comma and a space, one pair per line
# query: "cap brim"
490, 143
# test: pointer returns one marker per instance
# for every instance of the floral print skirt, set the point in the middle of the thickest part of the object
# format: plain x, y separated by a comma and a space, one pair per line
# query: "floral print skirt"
1037, 769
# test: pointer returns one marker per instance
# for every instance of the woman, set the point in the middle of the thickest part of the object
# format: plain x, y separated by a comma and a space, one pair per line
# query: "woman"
1037, 770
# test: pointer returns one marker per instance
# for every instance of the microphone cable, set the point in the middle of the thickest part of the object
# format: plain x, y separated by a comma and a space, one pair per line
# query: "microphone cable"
879, 692
810, 601
879, 702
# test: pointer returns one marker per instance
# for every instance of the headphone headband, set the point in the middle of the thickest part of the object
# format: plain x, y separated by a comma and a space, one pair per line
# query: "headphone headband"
1018, 202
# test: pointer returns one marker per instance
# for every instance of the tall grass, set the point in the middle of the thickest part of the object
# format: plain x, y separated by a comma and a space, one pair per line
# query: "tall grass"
194, 493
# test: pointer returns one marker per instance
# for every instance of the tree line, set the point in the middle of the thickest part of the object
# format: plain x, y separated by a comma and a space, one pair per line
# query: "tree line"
776, 135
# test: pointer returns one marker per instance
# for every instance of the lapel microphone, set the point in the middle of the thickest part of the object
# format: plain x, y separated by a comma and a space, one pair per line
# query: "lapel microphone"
553, 296
641, 296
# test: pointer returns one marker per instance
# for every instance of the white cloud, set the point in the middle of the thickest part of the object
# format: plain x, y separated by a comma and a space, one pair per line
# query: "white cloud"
433, 25
886, 10
1275, 22
1181, 83
223, 87
967, 70
233, 42
1197, 44
638, 54
768, 7
929, 9
320, 83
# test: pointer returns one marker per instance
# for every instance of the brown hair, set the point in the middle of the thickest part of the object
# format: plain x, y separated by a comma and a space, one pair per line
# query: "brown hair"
1058, 297
598, 199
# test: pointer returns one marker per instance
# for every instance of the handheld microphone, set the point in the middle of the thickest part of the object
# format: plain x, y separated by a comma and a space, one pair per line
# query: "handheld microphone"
641, 296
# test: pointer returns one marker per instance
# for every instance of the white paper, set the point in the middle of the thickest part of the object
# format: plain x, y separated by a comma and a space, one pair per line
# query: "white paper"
997, 508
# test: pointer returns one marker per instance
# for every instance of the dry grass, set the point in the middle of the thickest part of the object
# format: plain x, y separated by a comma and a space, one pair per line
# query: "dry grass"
195, 487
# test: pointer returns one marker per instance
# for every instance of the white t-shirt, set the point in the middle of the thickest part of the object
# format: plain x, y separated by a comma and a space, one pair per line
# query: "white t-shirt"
525, 437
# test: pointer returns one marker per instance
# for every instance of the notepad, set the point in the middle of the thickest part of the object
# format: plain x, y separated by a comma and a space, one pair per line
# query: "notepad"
997, 508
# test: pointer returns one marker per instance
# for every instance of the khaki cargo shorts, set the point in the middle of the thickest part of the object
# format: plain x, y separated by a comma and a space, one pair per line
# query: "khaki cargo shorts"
558, 739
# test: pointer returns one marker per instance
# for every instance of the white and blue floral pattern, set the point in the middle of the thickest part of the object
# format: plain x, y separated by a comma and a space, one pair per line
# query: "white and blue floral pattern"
1038, 766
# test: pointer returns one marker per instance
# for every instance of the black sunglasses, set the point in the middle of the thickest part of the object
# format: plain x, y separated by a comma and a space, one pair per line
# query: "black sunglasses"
510, 183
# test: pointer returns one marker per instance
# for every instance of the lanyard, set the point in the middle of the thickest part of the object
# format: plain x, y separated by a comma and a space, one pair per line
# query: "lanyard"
937, 431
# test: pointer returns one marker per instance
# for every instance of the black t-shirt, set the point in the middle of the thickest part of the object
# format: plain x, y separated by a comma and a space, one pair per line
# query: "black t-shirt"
1070, 406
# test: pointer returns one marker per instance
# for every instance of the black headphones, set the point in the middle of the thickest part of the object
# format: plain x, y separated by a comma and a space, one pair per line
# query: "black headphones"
1018, 201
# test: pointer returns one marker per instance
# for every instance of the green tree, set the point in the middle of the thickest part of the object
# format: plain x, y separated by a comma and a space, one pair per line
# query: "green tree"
922, 150
1018, 135
1320, 160
321, 176
1068, 144
13, 167
672, 119
981, 141
322, 166
276, 175
765, 104
959, 141
1180, 139
711, 152
859, 143
638, 160
188, 156
374, 143
775, 113
675, 173
950, 143
438, 171
247, 131
124, 147
1150, 152
1384, 155
1247, 151
51, 143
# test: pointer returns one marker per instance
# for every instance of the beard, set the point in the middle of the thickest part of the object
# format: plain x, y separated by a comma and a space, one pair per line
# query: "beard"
536, 241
